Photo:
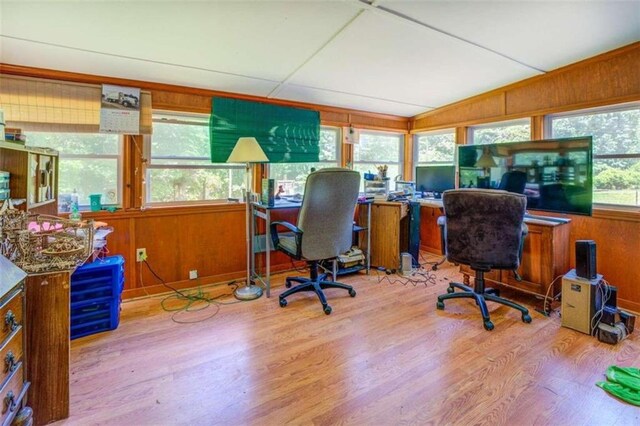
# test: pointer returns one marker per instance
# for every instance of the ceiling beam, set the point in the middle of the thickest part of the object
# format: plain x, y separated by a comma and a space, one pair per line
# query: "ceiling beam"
385, 11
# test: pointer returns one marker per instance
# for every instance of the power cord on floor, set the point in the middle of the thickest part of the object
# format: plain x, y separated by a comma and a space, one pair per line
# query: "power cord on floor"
189, 300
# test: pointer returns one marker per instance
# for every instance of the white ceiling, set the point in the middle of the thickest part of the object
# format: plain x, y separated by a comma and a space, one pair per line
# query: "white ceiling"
397, 57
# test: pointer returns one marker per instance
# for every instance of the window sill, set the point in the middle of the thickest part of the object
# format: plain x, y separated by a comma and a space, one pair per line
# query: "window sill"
164, 210
603, 211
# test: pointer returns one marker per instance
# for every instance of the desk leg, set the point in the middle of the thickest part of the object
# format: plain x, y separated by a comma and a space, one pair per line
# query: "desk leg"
369, 237
268, 254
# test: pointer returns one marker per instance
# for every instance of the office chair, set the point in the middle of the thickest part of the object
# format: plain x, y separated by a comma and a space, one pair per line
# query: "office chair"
323, 231
485, 230
513, 181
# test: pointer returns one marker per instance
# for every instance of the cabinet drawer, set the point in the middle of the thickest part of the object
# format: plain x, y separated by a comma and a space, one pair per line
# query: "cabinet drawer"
10, 316
10, 355
11, 395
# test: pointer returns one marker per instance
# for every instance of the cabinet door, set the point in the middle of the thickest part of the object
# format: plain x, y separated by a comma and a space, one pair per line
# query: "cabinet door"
535, 263
429, 229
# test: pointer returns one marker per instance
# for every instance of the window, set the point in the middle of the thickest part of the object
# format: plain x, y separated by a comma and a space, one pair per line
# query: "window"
434, 148
616, 149
89, 164
179, 165
378, 149
293, 176
506, 131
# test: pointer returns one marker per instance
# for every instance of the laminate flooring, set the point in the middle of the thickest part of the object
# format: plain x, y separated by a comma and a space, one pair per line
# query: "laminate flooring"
385, 357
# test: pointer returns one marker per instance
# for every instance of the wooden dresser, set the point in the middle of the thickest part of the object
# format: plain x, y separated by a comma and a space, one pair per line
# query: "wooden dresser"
13, 384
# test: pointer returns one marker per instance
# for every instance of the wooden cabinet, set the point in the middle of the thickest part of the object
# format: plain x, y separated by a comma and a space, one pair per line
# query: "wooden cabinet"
33, 176
13, 383
545, 257
48, 343
388, 233
429, 229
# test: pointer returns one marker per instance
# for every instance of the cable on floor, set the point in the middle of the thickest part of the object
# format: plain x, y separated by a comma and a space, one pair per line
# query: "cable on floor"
190, 300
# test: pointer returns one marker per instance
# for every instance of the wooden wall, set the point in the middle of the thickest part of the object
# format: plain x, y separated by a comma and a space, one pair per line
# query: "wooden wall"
208, 238
607, 79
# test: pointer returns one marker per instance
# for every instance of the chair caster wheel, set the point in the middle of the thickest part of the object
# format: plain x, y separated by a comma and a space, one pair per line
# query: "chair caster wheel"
352, 293
440, 305
327, 309
287, 284
283, 303
450, 290
434, 268
488, 325
526, 318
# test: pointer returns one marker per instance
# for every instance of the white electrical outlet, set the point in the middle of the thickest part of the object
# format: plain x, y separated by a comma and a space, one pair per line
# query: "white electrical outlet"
141, 254
193, 274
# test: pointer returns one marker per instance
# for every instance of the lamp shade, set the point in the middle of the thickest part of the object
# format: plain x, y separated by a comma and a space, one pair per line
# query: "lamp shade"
486, 161
247, 150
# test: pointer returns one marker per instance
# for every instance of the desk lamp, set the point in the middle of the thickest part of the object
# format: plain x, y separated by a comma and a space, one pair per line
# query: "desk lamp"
486, 162
248, 151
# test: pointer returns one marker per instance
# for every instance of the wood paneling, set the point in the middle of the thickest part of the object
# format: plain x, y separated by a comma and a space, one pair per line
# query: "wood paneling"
385, 357
606, 79
190, 99
610, 78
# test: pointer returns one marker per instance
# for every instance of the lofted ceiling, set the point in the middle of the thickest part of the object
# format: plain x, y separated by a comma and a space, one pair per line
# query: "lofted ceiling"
396, 57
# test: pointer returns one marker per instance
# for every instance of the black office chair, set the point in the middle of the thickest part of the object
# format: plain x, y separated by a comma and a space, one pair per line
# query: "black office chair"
324, 229
485, 230
513, 181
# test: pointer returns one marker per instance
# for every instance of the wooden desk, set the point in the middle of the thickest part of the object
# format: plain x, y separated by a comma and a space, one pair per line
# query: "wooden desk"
389, 233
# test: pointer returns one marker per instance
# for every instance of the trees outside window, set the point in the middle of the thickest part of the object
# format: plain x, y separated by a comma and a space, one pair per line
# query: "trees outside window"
616, 149
293, 176
378, 149
506, 131
179, 168
435, 148
89, 163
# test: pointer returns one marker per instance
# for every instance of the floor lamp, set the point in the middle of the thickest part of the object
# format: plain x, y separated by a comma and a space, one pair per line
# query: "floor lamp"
248, 151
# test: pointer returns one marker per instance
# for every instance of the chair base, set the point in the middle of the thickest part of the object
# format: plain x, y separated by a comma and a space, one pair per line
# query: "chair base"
316, 285
481, 295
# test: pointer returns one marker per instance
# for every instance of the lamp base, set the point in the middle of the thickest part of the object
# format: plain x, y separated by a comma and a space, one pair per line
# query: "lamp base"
248, 292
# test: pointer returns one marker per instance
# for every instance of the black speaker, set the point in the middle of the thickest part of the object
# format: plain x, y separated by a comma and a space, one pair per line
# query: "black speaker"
586, 259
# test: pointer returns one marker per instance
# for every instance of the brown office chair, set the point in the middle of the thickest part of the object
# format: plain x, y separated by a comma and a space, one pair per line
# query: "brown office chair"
324, 229
485, 230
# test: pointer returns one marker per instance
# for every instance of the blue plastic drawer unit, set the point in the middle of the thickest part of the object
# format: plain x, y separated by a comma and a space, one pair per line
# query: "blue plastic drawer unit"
4, 185
96, 290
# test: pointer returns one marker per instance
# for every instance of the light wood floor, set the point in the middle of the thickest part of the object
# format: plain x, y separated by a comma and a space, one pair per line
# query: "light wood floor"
386, 356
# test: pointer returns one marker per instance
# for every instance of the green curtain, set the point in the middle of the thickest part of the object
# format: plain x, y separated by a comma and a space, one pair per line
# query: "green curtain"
287, 135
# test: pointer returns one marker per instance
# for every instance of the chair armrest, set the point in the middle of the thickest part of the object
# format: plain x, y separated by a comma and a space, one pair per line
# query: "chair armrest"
275, 238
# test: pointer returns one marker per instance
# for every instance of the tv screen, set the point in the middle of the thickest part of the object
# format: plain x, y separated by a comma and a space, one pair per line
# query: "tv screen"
435, 179
554, 174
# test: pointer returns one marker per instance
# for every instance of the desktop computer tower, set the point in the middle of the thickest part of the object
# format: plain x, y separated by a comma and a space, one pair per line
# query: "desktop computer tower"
414, 232
581, 299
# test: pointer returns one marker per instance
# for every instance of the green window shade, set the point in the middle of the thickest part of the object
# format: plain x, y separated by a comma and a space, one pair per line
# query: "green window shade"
287, 135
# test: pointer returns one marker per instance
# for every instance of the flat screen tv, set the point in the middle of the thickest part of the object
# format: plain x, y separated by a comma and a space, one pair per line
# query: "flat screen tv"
554, 174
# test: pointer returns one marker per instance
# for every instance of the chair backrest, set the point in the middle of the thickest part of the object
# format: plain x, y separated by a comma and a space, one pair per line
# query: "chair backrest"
326, 215
484, 228
513, 181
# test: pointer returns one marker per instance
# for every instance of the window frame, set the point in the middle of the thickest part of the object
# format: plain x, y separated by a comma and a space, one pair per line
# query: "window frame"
499, 124
180, 118
337, 162
416, 148
119, 157
627, 106
400, 162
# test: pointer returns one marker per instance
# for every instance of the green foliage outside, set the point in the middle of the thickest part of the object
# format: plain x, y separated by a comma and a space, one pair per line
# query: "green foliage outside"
615, 180
88, 165
179, 145
436, 148
511, 133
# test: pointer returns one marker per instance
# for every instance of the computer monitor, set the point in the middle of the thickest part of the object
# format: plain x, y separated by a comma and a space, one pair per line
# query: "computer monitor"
434, 180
